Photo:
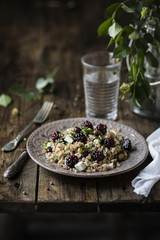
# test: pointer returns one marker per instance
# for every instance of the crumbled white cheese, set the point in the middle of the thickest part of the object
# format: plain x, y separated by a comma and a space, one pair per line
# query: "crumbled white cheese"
96, 141
68, 139
110, 166
49, 144
87, 162
80, 166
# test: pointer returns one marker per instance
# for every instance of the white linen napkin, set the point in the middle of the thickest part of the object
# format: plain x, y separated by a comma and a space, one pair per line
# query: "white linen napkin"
145, 180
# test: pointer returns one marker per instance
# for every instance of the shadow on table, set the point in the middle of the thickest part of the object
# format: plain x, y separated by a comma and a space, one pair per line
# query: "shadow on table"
80, 226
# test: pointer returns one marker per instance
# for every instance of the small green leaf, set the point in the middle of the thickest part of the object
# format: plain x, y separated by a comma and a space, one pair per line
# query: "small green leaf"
127, 9
121, 51
17, 89
134, 35
111, 9
54, 158
87, 130
46, 143
114, 29
5, 100
103, 28
144, 12
84, 149
152, 61
45, 85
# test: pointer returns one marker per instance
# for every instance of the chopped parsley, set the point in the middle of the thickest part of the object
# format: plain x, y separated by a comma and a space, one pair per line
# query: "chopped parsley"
72, 135
46, 143
54, 158
84, 149
87, 130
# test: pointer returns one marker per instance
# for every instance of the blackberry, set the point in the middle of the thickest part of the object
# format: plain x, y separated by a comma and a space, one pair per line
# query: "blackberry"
55, 136
77, 130
87, 124
126, 144
102, 128
80, 137
49, 149
109, 142
97, 155
71, 161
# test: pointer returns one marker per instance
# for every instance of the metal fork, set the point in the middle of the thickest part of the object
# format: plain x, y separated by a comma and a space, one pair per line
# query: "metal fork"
39, 118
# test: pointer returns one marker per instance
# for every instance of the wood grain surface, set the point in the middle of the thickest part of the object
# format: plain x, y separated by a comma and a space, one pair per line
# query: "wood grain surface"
34, 38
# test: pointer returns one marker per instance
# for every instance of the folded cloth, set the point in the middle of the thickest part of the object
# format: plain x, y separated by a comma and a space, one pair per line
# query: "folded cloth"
145, 180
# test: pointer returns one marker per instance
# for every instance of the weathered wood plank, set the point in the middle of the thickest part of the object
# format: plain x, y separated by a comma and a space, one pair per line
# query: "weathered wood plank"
20, 62
66, 194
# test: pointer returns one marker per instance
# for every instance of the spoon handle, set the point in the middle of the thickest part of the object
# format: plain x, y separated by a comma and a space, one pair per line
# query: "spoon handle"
17, 165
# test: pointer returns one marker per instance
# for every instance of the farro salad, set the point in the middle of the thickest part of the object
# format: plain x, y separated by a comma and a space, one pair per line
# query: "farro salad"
87, 148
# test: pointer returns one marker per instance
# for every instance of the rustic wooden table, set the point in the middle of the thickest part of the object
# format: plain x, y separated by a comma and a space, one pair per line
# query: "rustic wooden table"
35, 37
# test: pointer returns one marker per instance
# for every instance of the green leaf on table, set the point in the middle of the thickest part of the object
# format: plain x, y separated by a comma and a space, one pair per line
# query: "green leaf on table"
103, 28
5, 100
152, 61
114, 29
45, 85
127, 9
111, 9
121, 51
17, 89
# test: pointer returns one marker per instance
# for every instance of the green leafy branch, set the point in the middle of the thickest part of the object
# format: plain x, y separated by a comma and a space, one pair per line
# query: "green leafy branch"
132, 42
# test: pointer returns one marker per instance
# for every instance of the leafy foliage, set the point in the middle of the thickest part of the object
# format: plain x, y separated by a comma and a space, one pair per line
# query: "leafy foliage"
46, 85
17, 89
133, 41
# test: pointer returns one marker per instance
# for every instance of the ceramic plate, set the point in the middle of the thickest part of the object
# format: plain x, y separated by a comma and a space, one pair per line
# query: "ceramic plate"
39, 136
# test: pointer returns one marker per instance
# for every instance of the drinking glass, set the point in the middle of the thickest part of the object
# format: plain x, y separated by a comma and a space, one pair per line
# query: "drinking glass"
101, 78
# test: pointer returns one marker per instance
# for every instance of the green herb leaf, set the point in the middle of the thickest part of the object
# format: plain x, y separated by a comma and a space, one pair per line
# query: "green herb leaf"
87, 130
17, 89
103, 28
127, 9
114, 29
134, 35
84, 149
45, 144
111, 9
54, 158
121, 51
144, 12
45, 85
72, 135
152, 61
5, 100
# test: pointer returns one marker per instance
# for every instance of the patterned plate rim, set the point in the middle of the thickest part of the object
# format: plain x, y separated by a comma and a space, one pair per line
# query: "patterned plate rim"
40, 135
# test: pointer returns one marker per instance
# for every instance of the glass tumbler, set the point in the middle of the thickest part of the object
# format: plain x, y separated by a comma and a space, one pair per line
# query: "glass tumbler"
101, 78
